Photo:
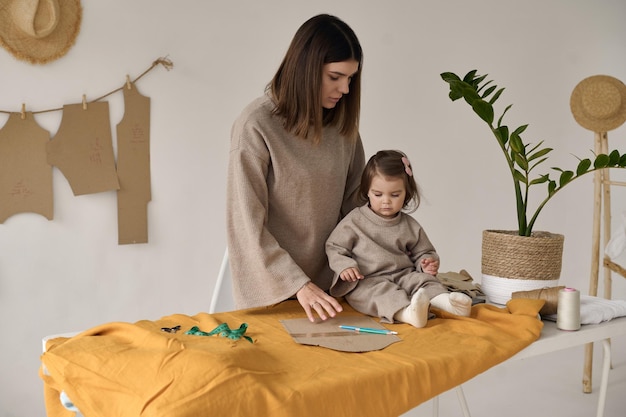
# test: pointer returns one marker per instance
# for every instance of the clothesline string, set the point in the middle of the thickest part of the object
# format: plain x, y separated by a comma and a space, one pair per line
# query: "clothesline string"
165, 61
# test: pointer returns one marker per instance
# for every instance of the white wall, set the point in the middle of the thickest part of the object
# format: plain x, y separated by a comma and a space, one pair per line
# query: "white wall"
70, 274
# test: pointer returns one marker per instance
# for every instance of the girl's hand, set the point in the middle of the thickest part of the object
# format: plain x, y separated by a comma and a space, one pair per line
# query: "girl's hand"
312, 298
351, 275
430, 265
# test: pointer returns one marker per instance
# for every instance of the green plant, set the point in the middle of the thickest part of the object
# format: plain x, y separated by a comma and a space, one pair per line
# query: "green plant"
522, 158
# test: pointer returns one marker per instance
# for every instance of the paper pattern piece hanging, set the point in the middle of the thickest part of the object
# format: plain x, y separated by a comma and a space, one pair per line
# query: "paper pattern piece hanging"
133, 168
83, 148
25, 175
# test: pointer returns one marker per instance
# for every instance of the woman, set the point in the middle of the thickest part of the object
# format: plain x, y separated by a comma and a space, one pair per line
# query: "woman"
295, 163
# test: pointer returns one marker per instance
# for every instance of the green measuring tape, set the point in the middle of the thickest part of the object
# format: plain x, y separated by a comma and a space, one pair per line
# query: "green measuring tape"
224, 331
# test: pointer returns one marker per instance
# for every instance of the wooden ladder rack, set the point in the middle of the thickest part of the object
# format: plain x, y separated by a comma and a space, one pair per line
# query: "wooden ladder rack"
601, 216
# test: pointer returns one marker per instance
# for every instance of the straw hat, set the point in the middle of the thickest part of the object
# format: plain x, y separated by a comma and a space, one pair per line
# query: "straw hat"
39, 31
598, 103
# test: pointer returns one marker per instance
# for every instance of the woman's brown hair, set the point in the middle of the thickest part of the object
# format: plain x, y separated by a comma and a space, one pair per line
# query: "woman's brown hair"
296, 86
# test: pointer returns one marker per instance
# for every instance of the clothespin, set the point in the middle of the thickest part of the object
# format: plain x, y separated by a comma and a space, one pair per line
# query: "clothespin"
84, 102
128, 84
23, 111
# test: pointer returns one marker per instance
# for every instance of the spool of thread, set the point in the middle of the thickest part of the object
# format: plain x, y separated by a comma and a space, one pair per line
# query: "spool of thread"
568, 309
549, 294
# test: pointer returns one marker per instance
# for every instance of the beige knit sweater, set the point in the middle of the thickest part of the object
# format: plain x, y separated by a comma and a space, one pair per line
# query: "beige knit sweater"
377, 246
284, 197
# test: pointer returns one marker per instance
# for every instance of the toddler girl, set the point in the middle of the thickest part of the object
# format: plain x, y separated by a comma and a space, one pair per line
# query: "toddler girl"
384, 264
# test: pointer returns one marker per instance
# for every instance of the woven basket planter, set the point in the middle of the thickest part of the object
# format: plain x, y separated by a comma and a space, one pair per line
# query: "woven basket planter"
513, 263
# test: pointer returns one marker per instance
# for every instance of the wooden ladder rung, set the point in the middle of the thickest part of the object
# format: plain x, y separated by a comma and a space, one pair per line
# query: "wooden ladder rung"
614, 267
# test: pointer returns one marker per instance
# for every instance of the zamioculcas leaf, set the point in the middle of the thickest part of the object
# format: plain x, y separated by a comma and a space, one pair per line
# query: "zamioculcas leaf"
602, 161
539, 180
519, 130
503, 113
471, 96
469, 77
496, 96
536, 163
489, 91
484, 110
521, 161
449, 76
551, 187
565, 177
516, 143
479, 80
539, 153
502, 134
583, 166
519, 176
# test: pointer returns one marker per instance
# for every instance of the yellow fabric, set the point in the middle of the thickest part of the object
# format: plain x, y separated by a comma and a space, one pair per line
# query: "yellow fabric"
122, 369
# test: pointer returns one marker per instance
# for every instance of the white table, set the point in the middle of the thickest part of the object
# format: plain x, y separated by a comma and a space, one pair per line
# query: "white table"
553, 339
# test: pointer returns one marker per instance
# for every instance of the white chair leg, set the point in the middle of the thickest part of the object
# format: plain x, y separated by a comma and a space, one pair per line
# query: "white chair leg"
223, 280
436, 406
462, 401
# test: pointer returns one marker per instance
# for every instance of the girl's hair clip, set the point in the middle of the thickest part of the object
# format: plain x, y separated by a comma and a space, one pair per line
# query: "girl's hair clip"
407, 166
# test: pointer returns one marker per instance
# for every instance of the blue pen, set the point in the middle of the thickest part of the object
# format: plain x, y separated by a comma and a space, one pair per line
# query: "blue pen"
367, 330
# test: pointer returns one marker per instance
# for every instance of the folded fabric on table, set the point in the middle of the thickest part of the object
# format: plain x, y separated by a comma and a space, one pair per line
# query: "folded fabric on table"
594, 310
124, 369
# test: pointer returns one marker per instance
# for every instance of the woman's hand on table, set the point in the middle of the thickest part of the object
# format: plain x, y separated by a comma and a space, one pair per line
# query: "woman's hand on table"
313, 299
